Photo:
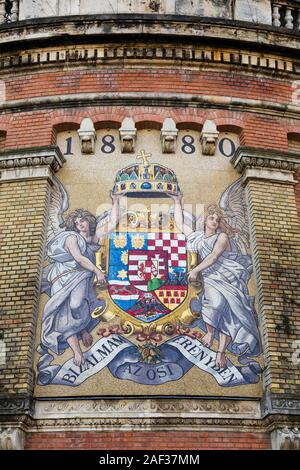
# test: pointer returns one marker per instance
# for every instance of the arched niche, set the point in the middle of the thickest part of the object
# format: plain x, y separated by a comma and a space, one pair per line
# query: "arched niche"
2, 139
294, 141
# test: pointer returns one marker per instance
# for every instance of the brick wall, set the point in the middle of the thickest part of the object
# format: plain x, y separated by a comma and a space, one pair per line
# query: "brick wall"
28, 128
36, 128
167, 440
276, 253
297, 193
150, 79
22, 224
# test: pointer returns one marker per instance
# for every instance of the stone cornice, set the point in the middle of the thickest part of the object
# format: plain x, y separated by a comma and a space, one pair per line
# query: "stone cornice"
147, 424
276, 404
65, 28
106, 52
252, 158
31, 163
50, 156
152, 99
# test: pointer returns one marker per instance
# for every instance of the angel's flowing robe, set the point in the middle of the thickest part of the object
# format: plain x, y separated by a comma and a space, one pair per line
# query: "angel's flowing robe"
225, 303
72, 296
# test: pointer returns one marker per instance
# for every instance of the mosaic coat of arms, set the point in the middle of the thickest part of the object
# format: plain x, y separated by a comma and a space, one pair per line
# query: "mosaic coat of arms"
148, 293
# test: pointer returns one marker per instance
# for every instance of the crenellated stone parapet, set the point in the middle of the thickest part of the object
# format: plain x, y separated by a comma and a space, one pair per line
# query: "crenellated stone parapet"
279, 13
257, 11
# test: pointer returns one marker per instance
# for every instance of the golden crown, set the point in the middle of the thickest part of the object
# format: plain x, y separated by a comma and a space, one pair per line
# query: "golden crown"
146, 179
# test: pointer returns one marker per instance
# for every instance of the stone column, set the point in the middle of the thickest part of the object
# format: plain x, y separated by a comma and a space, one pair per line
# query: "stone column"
15, 11
25, 184
276, 15
275, 237
2, 11
289, 20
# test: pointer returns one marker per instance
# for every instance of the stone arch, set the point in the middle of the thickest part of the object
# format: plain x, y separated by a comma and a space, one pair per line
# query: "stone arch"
107, 115
144, 120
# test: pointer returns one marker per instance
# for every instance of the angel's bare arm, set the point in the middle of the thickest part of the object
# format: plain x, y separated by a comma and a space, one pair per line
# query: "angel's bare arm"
115, 213
72, 247
112, 220
220, 246
178, 216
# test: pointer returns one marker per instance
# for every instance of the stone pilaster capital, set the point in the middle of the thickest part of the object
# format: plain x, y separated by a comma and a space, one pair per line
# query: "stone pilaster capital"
267, 164
31, 163
287, 438
12, 438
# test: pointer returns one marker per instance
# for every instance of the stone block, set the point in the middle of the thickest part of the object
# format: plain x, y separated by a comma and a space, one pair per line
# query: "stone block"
256, 11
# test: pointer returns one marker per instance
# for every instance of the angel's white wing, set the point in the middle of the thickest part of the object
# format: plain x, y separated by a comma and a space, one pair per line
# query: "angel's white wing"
103, 218
188, 219
59, 204
233, 203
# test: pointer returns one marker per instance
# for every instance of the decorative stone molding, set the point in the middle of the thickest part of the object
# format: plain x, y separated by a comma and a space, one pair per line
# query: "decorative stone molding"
146, 424
286, 439
168, 136
191, 54
12, 439
87, 136
37, 162
139, 423
128, 134
280, 404
274, 165
149, 414
147, 408
17, 405
209, 137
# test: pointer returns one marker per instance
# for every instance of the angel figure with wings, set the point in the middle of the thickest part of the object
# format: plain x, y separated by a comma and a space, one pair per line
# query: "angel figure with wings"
221, 241
69, 277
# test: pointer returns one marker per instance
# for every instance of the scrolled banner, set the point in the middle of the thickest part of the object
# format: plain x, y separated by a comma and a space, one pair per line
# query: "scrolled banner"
176, 357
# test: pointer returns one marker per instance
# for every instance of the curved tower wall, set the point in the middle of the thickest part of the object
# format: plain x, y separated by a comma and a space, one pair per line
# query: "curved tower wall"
255, 11
211, 90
